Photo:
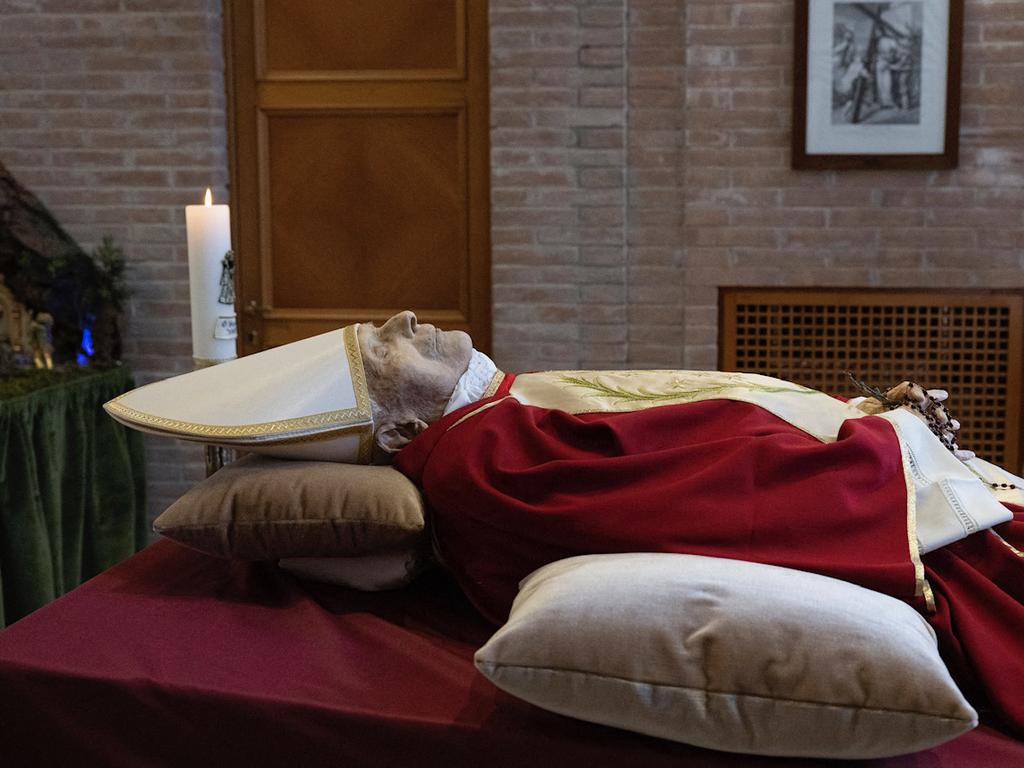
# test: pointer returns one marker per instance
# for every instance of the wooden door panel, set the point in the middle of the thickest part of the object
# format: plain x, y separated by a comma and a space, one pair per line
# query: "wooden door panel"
359, 164
371, 206
349, 37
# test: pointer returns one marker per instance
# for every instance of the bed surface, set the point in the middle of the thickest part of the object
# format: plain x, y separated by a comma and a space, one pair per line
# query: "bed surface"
174, 658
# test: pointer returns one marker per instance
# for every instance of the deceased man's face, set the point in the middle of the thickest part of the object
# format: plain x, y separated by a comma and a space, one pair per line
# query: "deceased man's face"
411, 370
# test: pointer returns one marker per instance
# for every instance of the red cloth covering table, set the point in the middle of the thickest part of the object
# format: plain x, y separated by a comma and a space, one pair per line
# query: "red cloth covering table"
176, 658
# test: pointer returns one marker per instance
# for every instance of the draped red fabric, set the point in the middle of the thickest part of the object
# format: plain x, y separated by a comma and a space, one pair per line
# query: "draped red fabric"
175, 658
515, 487
979, 617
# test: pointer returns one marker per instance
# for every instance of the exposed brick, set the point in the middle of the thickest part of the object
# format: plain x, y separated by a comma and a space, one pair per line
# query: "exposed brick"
637, 165
610, 15
100, 120
713, 15
600, 56
708, 194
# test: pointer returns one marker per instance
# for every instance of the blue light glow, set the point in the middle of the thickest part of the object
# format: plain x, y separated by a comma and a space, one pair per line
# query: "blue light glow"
86, 347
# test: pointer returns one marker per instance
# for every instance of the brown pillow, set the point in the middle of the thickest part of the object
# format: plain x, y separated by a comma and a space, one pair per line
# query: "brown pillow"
266, 509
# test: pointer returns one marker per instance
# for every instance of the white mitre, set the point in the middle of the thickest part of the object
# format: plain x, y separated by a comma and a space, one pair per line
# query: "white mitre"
304, 400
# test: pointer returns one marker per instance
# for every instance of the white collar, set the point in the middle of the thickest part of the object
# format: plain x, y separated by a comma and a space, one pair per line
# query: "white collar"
473, 383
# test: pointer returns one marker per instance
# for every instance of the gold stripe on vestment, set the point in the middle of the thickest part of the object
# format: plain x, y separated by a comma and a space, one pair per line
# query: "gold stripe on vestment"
921, 585
1007, 544
481, 409
493, 384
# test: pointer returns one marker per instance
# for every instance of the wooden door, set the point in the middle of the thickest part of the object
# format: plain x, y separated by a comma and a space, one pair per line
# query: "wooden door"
359, 164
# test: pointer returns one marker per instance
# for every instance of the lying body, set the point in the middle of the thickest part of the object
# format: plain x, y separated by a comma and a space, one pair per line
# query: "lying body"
520, 471
529, 469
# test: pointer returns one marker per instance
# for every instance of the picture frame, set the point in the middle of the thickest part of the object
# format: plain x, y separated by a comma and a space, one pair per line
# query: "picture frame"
876, 85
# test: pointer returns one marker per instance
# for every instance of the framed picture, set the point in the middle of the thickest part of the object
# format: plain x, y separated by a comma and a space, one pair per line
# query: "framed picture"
877, 85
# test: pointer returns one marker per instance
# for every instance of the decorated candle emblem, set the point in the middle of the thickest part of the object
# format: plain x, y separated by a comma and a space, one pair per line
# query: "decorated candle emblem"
211, 282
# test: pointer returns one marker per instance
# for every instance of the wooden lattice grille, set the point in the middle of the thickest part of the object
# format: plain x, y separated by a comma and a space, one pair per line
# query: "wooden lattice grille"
968, 342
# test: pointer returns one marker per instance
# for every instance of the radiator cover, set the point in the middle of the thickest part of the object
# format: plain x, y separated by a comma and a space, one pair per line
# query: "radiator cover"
969, 342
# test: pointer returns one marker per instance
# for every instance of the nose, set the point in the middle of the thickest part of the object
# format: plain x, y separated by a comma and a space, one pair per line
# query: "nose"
402, 324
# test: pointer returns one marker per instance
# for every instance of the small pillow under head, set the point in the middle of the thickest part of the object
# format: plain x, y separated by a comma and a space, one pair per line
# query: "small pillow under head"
268, 509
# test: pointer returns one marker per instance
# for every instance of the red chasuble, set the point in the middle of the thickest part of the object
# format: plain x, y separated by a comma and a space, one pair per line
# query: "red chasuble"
515, 486
512, 487
979, 616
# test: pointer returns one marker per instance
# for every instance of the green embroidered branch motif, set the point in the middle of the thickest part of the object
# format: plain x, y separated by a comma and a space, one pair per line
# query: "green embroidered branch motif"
597, 389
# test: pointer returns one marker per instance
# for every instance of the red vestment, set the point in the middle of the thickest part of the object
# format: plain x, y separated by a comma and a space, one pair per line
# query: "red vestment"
514, 487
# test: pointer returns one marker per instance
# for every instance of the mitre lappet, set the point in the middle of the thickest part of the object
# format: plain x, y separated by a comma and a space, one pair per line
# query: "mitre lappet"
304, 400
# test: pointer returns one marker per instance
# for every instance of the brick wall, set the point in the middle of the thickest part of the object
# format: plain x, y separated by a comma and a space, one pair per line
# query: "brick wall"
586, 113
112, 112
614, 260
640, 160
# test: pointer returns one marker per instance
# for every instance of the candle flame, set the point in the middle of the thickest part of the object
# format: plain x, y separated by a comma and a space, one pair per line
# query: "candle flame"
208, 200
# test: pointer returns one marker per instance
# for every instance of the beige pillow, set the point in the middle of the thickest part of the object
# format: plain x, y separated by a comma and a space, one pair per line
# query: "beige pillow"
266, 509
727, 655
375, 572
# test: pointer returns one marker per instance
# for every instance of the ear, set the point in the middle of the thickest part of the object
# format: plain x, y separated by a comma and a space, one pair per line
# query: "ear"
392, 437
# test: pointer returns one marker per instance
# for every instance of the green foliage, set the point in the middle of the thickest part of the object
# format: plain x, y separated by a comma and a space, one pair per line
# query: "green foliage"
109, 290
24, 381
78, 290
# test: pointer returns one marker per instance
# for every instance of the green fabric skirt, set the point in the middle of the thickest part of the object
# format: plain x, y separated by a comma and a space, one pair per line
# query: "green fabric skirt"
72, 489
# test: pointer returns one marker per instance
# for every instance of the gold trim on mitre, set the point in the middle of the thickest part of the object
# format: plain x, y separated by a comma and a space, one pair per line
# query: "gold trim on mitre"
355, 367
211, 432
312, 427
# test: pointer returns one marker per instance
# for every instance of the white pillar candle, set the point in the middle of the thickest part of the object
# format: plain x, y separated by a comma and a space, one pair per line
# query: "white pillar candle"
213, 323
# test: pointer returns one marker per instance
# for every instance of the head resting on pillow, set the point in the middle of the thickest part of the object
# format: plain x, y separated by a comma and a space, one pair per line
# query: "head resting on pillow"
411, 370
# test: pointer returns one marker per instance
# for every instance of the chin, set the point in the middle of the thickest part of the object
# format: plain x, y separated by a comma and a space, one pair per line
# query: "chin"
459, 348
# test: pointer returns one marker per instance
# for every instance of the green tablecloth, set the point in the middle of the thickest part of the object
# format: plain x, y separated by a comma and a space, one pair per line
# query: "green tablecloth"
72, 489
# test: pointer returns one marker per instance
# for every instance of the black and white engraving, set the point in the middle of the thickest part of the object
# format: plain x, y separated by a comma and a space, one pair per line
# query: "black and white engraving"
876, 63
